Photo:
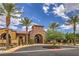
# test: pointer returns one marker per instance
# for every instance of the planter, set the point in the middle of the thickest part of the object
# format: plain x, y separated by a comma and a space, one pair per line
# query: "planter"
52, 47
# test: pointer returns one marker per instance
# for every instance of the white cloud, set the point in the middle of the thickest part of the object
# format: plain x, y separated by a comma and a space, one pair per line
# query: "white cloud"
15, 21
24, 28
60, 11
2, 23
12, 21
57, 10
1, 26
77, 27
71, 6
22, 10
34, 23
45, 29
13, 27
2, 20
66, 26
45, 8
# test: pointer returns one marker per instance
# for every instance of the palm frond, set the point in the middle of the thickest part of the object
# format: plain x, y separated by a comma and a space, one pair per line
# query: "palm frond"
53, 25
1, 10
25, 22
15, 16
10, 9
73, 19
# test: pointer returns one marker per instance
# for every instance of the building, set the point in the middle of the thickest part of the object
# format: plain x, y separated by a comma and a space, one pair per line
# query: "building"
36, 35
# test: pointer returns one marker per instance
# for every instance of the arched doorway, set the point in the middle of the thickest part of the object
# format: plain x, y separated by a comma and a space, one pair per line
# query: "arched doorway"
38, 38
20, 40
3, 37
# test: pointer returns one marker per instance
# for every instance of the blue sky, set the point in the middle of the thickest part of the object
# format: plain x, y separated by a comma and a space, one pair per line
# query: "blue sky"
45, 13
36, 13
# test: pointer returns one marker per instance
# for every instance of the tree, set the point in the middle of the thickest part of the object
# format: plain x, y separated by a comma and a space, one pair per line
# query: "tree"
70, 37
53, 26
26, 22
74, 20
9, 10
54, 36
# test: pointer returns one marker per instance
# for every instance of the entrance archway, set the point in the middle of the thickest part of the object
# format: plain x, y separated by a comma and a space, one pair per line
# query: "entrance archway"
3, 37
38, 38
20, 40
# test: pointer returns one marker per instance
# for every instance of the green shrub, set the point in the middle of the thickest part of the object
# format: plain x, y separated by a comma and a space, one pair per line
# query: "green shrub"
31, 41
54, 35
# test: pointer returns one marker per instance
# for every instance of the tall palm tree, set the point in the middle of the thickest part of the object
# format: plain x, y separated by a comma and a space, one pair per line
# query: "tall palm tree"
74, 20
26, 22
9, 10
53, 25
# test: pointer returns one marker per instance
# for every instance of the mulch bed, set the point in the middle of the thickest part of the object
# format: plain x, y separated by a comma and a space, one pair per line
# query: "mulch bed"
52, 47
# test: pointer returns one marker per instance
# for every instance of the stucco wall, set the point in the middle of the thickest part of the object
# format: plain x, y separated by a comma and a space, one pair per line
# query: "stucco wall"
12, 34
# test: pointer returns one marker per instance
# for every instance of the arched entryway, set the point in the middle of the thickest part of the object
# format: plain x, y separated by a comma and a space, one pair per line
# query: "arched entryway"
20, 40
3, 37
38, 38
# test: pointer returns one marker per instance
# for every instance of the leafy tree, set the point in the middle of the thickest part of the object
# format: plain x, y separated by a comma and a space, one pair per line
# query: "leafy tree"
54, 35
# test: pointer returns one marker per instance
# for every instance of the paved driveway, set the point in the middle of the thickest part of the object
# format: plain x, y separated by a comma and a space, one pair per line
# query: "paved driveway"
40, 51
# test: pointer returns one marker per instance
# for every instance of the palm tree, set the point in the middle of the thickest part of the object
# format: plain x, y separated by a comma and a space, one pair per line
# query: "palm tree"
74, 20
9, 10
26, 22
53, 25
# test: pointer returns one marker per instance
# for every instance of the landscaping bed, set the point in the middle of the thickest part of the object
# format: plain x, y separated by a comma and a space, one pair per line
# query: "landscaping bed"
52, 47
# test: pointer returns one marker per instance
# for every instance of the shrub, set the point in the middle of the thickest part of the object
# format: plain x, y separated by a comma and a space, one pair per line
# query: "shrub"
31, 41
54, 35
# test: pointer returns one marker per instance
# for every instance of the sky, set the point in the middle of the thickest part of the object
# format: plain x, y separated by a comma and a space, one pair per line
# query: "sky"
44, 14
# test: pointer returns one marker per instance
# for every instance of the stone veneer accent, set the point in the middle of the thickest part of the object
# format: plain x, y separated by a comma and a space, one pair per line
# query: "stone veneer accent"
37, 29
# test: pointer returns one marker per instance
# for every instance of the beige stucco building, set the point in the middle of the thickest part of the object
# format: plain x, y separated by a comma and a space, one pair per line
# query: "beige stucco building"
36, 35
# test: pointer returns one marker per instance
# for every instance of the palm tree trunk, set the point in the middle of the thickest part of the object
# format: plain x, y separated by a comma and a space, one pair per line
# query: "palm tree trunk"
7, 25
54, 42
74, 29
26, 35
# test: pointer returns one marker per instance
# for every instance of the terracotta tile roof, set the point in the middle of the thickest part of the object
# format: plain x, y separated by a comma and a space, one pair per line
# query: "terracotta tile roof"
38, 25
21, 32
